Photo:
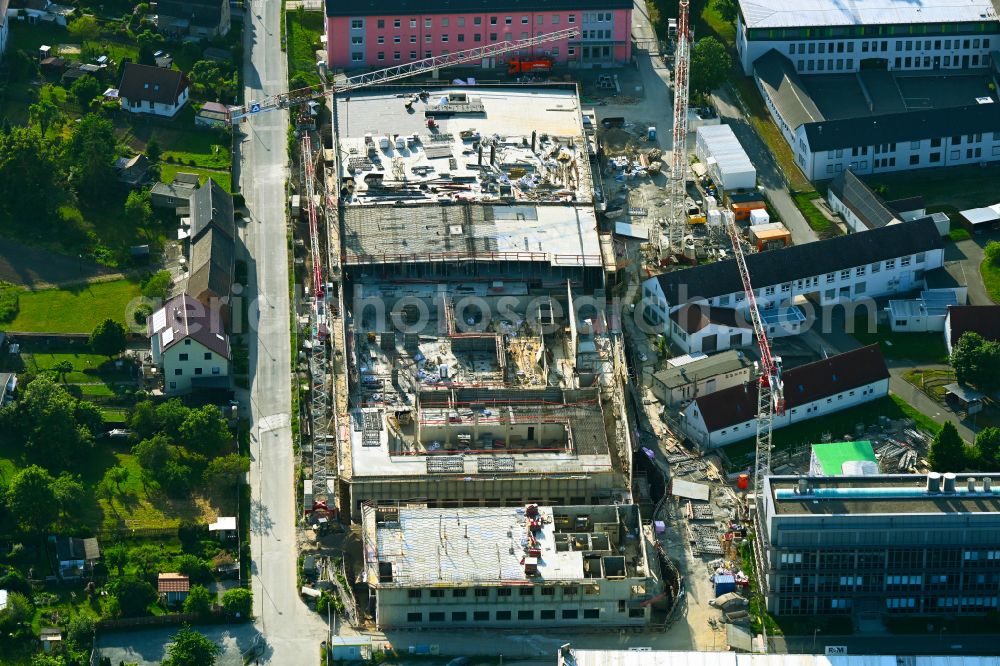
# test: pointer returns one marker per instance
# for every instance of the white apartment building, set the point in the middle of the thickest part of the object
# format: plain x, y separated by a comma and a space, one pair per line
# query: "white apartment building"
827, 36
524, 567
880, 262
811, 391
189, 344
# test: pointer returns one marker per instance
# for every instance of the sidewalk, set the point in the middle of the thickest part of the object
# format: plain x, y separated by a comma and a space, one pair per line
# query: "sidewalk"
924, 403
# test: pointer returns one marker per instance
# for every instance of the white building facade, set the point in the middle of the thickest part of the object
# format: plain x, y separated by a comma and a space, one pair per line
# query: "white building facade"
822, 36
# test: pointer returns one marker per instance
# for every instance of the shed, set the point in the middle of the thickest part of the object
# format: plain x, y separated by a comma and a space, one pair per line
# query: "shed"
351, 648
986, 218
770, 235
224, 527
724, 583
173, 586
51, 638
727, 163
836, 458
966, 398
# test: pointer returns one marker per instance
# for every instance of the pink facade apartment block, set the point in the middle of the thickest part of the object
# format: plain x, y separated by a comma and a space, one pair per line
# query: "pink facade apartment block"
383, 33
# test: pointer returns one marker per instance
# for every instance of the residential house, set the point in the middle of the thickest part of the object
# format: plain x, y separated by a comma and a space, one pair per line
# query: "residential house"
153, 90
212, 260
880, 262
689, 376
75, 558
224, 528
981, 319
4, 27
48, 12
190, 345
176, 194
133, 170
197, 18
173, 587
212, 114
702, 328
380, 33
811, 390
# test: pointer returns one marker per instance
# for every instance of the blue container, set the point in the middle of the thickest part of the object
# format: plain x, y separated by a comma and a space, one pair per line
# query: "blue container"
724, 583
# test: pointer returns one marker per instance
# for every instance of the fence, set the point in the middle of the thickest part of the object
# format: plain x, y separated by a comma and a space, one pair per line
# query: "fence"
118, 533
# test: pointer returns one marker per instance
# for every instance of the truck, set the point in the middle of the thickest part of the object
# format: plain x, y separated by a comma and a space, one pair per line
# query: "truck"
529, 65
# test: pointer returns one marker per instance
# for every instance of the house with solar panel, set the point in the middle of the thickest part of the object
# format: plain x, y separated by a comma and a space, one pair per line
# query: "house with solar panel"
190, 345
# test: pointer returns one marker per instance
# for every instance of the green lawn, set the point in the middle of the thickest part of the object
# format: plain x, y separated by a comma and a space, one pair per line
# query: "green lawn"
223, 178
919, 347
724, 31
207, 149
814, 216
87, 367
960, 187
837, 424
931, 382
76, 310
991, 279
957, 233
304, 30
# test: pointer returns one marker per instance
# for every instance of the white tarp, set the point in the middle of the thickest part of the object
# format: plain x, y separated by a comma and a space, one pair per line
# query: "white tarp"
640, 231
728, 164
689, 490
981, 215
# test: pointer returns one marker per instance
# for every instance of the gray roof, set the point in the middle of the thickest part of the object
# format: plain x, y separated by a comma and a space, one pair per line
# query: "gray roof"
213, 244
807, 13
901, 127
212, 205
716, 364
418, 7
862, 201
175, 189
799, 261
203, 13
784, 86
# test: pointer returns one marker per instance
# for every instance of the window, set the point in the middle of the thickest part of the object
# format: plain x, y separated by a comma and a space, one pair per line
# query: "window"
547, 615
482, 592
591, 613
503, 615
183, 357
459, 616
413, 23
357, 56
548, 591
458, 593
437, 594
444, 23
396, 23
173, 385
914, 159
571, 18
935, 157
414, 594
890, 264
436, 616
845, 275
381, 23
397, 39
381, 39
216, 370
461, 38
555, 21
178, 372
508, 20
859, 271
527, 591
413, 39
570, 614
525, 615
493, 20
830, 277
428, 54
569, 590
427, 39
197, 371
477, 20
357, 24
396, 55
427, 23
524, 20
905, 261
414, 617
503, 591
480, 616
444, 38
493, 36
460, 21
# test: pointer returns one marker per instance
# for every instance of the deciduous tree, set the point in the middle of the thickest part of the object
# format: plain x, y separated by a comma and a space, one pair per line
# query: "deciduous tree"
139, 209
709, 66
228, 470
191, 648
68, 492
988, 449
976, 361
30, 498
85, 89
109, 339
204, 430
238, 603
134, 597
54, 426
28, 165
198, 601
91, 153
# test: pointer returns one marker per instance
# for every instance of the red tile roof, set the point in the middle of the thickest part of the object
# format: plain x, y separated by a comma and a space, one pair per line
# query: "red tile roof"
173, 582
804, 384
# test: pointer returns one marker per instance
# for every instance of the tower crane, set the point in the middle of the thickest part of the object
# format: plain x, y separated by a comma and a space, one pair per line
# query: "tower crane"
770, 393
678, 161
303, 95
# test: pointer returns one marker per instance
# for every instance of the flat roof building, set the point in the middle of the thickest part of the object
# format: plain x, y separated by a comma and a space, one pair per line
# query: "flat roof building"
886, 544
523, 567
577, 657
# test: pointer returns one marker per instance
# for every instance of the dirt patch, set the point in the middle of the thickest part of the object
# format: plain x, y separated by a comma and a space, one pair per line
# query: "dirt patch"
36, 268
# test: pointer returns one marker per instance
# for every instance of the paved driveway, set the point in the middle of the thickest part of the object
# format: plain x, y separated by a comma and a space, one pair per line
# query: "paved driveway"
149, 647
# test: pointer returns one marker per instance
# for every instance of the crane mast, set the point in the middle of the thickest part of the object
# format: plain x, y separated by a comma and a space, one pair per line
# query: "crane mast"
770, 396
678, 161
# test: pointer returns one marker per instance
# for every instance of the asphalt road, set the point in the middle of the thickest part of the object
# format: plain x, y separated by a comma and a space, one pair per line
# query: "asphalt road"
291, 631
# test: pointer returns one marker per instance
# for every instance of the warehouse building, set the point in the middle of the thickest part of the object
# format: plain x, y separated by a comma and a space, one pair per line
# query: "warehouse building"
384, 33
887, 544
828, 36
726, 163
880, 262
527, 567
689, 376
811, 391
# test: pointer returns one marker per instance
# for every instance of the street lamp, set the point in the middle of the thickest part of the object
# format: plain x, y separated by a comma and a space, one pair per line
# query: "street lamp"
815, 631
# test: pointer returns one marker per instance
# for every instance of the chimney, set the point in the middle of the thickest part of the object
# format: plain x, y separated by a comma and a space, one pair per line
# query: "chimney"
949, 482
493, 155
971, 484
803, 486
534, 139
933, 482
987, 484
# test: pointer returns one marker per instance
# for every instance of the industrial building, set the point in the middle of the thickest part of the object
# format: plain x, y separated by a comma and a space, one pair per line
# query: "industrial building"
526, 567
827, 36
811, 391
726, 163
383, 33
569, 656
927, 312
688, 376
481, 372
863, 209
877, 121
890, 260
886, 544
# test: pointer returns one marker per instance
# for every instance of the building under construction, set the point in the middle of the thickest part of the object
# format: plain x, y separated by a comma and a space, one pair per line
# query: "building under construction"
479, 369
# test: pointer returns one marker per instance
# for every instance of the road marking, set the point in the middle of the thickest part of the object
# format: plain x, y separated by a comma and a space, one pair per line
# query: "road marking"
274, 422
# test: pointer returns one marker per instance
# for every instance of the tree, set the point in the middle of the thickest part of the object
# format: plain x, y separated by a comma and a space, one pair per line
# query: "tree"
727, 9
143, 421
976, 360
194, 568
116, 476
19, 611
709, 66
947, 453
48, 420
238, 603
212, 79
116, 557
108, 339
204, 430
146, 559
175, 478
228, 470
198, 601
171, 415
158, 284
80, 631
68, 492
138, 208
84, 29
44, 113
28, 164
62, 368
191, 649
153, 151
988, 448
992, 252
153, 453
134, 597
30, 498
91, 153
85, 89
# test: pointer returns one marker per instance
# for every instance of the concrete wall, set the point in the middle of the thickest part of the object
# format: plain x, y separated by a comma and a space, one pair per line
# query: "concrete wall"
173, 359
371, 41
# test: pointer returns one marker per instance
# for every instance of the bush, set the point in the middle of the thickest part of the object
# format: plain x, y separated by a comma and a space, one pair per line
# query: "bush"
9, 302
157, 285
238, 603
